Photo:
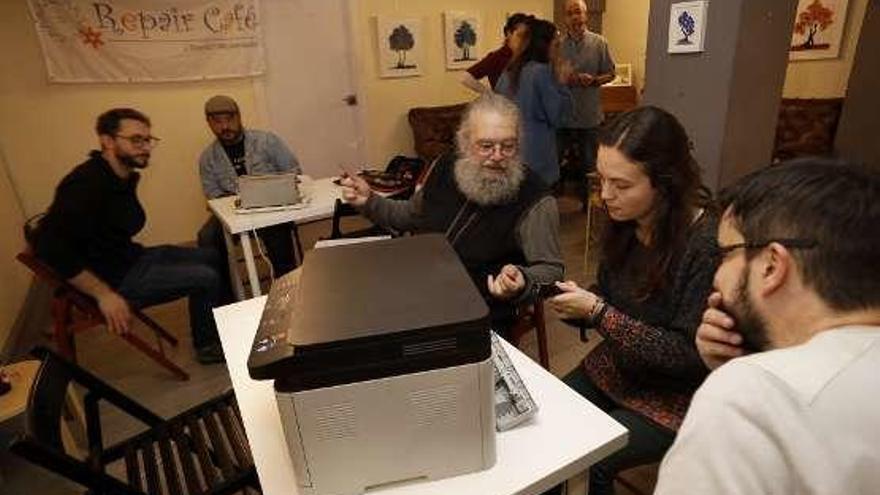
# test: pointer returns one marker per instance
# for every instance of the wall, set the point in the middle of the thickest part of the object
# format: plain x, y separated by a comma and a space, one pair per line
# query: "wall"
387, 101
858, 121
625, 25
14, 276
713, 92
827, 78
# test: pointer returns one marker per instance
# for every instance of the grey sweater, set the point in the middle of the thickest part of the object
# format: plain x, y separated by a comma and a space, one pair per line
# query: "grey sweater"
537, 234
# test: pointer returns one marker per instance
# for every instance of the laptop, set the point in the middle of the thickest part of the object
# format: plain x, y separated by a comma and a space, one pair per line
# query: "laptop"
267, 191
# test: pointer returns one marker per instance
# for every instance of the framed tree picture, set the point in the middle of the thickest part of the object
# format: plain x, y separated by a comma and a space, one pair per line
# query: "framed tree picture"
463, 39
687, 27
818, 29
400, 49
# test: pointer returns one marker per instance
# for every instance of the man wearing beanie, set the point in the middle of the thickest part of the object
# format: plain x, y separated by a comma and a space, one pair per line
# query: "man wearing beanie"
234, 153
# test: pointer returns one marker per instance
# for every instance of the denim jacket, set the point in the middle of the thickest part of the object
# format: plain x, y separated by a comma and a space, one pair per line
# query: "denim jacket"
265, 153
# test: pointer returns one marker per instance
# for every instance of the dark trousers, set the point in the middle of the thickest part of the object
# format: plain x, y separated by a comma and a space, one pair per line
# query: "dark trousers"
577, 156
165, 273
648, 441
277, 239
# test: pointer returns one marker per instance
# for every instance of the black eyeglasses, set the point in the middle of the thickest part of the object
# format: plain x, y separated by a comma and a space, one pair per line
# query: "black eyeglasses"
140, 141
721, 252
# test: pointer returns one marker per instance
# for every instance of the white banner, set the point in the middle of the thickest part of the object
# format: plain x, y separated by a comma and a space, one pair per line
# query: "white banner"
159, 40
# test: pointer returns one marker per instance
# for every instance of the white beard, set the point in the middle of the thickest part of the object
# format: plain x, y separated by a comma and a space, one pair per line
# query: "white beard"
485, 187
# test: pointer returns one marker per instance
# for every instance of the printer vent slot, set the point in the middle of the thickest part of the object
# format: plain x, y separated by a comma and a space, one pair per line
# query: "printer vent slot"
435, 406
448, 344
335, 422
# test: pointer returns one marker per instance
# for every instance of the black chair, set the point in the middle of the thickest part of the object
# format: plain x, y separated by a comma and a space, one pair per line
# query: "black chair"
201, 450
406, 174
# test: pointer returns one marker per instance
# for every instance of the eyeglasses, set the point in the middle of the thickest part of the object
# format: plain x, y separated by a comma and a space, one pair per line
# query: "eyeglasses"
721, 252
486, 147
140, 141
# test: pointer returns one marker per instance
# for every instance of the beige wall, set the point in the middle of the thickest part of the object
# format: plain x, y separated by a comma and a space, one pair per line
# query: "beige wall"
386, 101
625, 25
15, 279
827, 78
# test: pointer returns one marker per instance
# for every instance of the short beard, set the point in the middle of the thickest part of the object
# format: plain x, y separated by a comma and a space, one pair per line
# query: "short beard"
131, 162
485, 187
751, 325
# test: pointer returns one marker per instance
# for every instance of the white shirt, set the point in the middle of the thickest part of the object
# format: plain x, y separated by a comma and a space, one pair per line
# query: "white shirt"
800, 420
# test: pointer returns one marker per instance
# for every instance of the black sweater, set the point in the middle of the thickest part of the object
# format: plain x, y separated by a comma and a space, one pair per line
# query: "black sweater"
90, 223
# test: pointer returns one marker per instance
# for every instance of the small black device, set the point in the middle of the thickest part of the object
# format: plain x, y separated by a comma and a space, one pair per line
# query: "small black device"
546, 291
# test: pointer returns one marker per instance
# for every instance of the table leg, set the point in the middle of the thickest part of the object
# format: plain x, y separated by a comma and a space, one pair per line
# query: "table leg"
297, 246
250, 263
234, 274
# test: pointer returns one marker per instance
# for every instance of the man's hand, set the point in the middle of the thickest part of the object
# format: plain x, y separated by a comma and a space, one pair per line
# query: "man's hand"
507, 284
564, 72
574, 302
355, 190
585, 79
116, 311
717, 340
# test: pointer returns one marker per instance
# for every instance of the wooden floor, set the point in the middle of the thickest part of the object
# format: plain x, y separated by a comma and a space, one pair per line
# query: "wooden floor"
110, 358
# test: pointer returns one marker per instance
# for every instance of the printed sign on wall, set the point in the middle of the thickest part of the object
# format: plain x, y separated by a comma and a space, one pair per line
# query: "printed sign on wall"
161, 40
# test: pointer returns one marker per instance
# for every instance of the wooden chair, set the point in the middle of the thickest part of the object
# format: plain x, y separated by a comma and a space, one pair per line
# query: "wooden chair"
531, 316
201, 450
74, 311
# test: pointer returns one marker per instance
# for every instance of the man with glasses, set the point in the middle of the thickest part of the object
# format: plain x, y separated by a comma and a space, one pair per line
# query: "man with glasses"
86, 237
798, 298
236, 152
494, 211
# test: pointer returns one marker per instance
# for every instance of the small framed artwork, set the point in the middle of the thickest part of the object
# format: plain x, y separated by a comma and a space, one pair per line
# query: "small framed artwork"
400, 49
818, 29
463, 39
622, 75
687, 26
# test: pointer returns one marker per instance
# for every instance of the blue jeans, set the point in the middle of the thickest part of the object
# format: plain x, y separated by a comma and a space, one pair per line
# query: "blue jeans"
165, 273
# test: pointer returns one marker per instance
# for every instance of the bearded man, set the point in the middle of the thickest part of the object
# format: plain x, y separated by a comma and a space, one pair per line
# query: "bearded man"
793, 332
86, 237
497, 215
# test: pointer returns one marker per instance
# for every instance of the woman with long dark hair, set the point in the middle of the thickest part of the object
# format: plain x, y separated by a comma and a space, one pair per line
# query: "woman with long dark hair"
535, 80
655, 274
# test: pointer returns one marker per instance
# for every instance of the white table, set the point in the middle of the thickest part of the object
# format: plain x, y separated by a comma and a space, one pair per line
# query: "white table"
567, 436
320, 196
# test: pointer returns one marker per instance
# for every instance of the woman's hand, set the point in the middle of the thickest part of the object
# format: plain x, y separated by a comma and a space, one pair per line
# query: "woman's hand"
564, 72
574, 302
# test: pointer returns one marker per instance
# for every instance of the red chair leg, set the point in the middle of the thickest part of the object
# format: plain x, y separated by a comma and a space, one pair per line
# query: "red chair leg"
157, 356
62, 318
541, 334
161, 332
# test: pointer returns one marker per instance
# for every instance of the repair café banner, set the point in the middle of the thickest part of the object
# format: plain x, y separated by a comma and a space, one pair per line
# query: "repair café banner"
159, 40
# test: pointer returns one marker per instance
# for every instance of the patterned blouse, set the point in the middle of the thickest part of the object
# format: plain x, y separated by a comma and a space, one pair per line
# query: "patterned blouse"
648, 361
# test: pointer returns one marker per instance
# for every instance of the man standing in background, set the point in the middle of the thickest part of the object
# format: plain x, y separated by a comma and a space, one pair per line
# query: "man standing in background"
592, 66
237, 152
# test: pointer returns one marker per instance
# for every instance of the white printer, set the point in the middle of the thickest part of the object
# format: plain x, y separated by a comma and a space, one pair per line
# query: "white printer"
382, 362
